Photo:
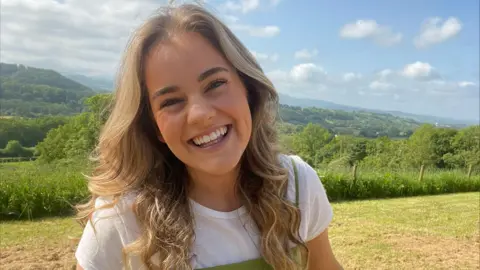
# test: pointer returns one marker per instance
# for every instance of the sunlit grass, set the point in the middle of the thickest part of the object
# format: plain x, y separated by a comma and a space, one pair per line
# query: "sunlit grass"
433, 232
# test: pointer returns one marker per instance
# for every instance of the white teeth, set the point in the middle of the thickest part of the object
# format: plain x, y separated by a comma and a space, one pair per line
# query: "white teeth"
208, 138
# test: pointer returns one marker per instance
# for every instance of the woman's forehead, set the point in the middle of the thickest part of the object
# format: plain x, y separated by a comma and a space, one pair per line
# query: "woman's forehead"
185, 56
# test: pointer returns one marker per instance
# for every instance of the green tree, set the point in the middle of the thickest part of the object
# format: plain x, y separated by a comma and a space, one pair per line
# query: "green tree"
15, 149
79, 135
421, 147
466, 145
309, 143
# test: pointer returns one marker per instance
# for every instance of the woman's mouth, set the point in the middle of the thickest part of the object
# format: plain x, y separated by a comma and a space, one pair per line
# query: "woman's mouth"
211, 139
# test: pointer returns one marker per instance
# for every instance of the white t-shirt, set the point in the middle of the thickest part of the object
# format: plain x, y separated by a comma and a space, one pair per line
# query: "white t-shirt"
220, 237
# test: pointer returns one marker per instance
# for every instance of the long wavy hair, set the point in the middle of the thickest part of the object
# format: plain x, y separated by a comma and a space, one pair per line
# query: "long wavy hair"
130, 158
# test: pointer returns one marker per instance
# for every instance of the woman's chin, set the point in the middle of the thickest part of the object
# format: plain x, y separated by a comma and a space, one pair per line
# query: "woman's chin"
217, 166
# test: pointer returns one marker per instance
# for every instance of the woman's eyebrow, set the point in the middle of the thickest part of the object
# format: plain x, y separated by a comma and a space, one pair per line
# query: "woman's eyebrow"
165, 90
173, 88
210, 72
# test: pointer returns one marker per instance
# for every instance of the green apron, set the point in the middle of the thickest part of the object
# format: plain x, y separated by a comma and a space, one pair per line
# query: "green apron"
260, 263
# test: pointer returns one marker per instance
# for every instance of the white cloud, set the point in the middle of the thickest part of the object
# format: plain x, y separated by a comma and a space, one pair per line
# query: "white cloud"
263, 56
378, 85
466, 84
351, 76
385, 73
393, 91
243, 6
433, 31
278, 75
257, 31
306, 54
79, 36
370, 29
307, 72
420, 71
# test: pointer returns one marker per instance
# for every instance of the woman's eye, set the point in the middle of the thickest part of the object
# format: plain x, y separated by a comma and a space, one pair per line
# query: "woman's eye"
216, 84
170, 102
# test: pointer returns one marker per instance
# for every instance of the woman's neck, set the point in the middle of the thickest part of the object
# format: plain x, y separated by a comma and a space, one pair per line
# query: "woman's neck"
217, 192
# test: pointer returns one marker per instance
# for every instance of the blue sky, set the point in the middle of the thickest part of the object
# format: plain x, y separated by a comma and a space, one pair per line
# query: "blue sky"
316, 24
412, 56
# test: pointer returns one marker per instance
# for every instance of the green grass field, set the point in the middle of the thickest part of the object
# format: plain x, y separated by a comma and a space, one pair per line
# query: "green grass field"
433, 232
33, 190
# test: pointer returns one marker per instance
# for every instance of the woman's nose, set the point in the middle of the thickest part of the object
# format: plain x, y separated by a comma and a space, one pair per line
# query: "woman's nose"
200, 112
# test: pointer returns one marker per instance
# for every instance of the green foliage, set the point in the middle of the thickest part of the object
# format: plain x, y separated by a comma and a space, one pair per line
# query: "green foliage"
370, 184
309, 142
421, 147
33, 92
30, 190
28, 131
466, 147
15, 149
359, 123
79, 135
431, 146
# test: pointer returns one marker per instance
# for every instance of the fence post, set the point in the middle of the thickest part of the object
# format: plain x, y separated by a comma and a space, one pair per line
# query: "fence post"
422, 170
354, 172
470, 171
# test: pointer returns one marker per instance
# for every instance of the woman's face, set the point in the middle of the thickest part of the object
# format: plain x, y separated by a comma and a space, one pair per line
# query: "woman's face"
199, 104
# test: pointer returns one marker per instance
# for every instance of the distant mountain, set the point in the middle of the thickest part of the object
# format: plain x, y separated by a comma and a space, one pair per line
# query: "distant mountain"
30, 75
32, 92
96, 83
304, 102
442, 121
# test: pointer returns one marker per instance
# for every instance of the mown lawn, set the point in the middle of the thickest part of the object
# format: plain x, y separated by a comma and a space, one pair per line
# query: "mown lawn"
433, 232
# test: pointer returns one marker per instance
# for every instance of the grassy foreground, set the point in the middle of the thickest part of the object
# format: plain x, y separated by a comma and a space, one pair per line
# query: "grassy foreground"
33, 190
434, 232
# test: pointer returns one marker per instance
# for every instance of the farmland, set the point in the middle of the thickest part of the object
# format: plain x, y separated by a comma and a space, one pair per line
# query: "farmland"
432, 232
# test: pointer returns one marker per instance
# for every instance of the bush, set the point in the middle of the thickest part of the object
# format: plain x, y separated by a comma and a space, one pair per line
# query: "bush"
30, 190
370, 185
15, 149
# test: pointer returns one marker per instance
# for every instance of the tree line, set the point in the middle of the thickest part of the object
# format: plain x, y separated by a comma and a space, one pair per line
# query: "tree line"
443, 148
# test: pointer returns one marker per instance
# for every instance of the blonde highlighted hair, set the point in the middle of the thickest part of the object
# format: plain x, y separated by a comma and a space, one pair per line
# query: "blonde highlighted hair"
130, 158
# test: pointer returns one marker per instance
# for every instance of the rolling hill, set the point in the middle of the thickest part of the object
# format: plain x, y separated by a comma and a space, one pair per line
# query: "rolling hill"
32, 92
442, 121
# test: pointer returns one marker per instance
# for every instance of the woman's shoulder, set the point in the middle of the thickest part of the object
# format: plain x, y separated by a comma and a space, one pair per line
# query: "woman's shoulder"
110, 207
306, 176
111, 226
313, 202
115, 216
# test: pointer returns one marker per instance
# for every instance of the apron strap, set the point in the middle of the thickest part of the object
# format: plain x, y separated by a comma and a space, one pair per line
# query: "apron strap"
295, 172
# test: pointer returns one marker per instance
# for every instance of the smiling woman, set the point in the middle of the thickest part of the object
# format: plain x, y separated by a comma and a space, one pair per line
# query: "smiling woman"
188, 174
